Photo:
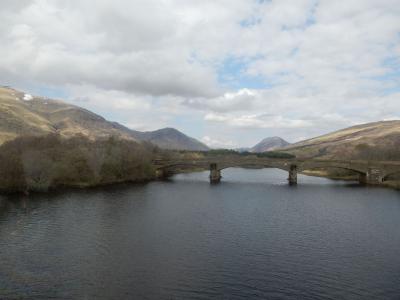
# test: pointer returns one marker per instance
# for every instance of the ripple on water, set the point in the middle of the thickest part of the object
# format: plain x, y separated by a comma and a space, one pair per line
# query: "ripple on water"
251, 237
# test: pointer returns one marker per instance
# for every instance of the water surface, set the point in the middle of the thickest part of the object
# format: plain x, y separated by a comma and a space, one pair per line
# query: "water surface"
250, 237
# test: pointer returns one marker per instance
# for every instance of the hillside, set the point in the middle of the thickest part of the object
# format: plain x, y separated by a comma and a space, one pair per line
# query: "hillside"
22, 114
269, 144
39, 116
379, 140
170, 138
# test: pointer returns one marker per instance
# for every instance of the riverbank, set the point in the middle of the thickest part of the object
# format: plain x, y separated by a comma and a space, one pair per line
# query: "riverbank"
326, 174
394, 184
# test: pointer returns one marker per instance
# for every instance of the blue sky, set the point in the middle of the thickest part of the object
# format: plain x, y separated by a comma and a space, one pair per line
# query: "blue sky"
232, 74
229, 73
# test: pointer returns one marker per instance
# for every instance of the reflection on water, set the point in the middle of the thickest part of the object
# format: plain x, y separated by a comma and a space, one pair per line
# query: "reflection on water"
252, 236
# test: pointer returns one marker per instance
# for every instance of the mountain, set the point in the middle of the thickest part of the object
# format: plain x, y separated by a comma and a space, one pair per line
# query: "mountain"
170, 138
269, 143
22, 114
379, 140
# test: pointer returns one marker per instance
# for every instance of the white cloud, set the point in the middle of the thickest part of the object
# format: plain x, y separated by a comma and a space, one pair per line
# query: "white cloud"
241, 100
121, 45
257, 121
136, 111
148, 63
218, 143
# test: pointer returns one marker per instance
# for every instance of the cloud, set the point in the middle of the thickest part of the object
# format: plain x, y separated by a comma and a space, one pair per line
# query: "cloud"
11, 5
257, 121
218, 143
235, 101
135, 111
116, 45
320, 65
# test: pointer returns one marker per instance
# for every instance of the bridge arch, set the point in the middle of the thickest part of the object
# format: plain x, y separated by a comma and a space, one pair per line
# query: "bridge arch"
183, 166
388, 175
168, 170
220, 167
255, 165
165, 171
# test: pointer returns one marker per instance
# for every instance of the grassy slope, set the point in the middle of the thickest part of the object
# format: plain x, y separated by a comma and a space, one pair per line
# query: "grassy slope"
16, 118
42, 116
342, 144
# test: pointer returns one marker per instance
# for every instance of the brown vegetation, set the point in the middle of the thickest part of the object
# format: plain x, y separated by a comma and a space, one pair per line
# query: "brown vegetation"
372, 141
41, 163
378, 152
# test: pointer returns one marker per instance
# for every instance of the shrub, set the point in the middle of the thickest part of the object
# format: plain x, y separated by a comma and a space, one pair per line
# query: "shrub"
45, 162
275, 154
377, 152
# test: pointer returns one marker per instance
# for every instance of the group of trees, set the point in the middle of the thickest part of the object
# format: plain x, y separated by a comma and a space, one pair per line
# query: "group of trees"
45, 162
276, 154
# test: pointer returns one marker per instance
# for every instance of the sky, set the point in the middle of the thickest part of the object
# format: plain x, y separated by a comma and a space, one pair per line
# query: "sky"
227, 72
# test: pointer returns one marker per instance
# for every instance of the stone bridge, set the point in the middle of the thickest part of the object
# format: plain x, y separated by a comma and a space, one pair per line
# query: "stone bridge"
370, 172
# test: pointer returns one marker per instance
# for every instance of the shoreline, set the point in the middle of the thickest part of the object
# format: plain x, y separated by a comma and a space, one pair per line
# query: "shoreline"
393, 184
76, 187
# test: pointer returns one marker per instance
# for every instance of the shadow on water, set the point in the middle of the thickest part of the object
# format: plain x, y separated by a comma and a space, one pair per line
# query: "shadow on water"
22, 201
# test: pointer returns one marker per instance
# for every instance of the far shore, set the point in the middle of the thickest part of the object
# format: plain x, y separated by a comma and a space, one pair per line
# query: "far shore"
394, 184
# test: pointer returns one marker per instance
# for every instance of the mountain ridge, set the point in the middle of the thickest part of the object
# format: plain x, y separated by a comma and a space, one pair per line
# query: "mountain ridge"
168, 138
269, 144
348, 142
23, 114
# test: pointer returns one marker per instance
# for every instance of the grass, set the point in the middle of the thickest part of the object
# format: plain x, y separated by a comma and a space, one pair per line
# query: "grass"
343, 144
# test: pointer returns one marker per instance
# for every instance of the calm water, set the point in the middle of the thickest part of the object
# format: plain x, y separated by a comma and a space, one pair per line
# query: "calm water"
251, 237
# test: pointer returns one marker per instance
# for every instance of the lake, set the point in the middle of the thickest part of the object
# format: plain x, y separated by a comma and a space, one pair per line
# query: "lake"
250, 237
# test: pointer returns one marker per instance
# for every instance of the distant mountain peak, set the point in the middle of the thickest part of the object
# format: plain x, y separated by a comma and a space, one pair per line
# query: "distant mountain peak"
269, 144
171, 138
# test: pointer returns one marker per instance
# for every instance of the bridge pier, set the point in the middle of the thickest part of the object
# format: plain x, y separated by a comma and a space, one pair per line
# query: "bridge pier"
362, 178
163, 174
292, 175
160, 174
374, 176
215, 174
